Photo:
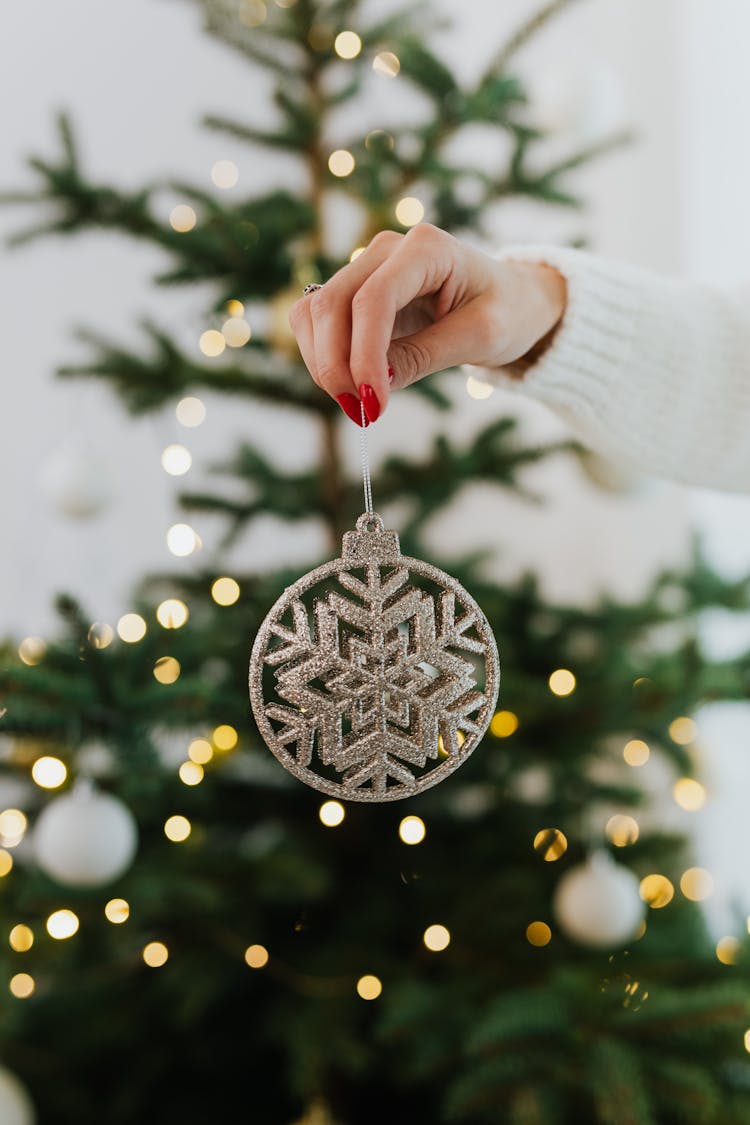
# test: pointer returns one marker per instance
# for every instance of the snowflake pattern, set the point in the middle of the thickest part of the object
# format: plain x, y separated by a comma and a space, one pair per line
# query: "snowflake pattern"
375, 698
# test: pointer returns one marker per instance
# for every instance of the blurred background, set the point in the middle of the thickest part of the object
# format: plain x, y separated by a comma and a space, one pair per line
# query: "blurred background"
86, 498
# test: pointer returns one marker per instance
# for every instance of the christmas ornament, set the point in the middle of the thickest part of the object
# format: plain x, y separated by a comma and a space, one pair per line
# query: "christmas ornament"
76, 483
374, 676
15, 1104
85, 838
598, 903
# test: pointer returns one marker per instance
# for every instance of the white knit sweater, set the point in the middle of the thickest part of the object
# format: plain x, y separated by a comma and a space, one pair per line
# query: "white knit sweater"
651, 371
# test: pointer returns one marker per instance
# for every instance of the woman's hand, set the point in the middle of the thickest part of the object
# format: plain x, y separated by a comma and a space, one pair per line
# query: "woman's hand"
412, 304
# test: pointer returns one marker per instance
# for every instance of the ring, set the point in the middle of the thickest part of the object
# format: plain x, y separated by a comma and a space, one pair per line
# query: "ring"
311, 288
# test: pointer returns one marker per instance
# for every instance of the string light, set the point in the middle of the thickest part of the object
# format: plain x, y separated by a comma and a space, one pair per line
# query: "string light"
387, 64
409, 211
656, 890
167, 670
131, 628
13, 824
191, 773
728, 950
212, 342
256, 956
689, 794
538, 934
117, 911
200, 751
697, 884
236, 331
62, 924
190, 412
225, 174
683, 730
636, 752
331, 813
176, 460
177, 828
622, 830
356, 253
347, 44
478, 388
503, 724
172, 613
369, 987
225, 737
550, 843
6, 863
21, 938
562, 682
181, 540
412, 830
225, 591
32, 649
182, 218
253, 13
341, 163
22, 985
101, 635
437, 938
155, 954
235, 307
49, 772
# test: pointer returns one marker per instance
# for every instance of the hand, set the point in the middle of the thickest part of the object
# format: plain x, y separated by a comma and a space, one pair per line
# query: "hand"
417, 303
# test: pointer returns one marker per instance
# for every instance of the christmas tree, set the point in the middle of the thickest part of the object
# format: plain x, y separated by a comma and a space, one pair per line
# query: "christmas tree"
510, 946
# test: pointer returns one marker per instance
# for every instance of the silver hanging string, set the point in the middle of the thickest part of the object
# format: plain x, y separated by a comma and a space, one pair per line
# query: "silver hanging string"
366, 478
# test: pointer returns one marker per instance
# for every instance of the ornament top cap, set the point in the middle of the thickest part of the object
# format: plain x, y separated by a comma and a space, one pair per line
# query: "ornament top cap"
370, 542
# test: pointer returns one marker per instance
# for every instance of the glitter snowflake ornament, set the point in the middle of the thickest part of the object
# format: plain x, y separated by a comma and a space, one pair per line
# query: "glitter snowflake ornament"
374, 676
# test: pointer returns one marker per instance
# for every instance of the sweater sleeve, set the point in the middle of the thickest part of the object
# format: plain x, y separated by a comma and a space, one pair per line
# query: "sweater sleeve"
649, 370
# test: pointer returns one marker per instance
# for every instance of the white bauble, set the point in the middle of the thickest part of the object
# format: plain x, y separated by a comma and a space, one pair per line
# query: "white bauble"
598, 903
85, 838
16, 1107
76, 482
586, 103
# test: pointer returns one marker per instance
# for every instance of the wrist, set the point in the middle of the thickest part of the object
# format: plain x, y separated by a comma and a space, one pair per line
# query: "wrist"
549, 293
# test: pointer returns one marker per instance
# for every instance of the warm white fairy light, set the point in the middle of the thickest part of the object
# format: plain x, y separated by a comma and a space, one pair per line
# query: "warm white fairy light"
550, 843
117, 911
656, 890
62, 924
409, 211
21, 938
538, 934
225, 174
412, 830
252, 13
225, 737
256, 956
503, 724
182, 218
177, 828
101, 635
436, 938
6, 863
636, 752
689, 794
341, 163
236, 331
190, 412
13, 825
622, 830
683, 730
172, 613
387, 64
49, 772
478, 388
191, 773
21, 985
32, 650
212, 342
356, 253
562, 682
167, 670
728, 950
225, 591
347, 44
369, 987
181, 540
176, 460
697, 884
331, 813
200, 751
235, 307
131, 628
155, 954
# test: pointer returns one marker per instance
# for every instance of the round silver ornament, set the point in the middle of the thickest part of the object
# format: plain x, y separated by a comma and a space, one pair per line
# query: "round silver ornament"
374, 676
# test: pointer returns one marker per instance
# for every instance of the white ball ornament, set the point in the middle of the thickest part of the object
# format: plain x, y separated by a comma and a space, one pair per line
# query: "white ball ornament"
76, 483
16, 1107
85, 838
598, 904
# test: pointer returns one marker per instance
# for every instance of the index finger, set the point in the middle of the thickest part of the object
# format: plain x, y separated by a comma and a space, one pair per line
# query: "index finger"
417, 267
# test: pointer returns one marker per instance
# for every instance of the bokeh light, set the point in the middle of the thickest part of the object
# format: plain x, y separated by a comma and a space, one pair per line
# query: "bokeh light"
225, 737
728, 950
412, 830
181, 540
369, 987
225, 591
167, 670
550, 843
409, 211
697, 884
172, 613
21, 938
225, 174
131, 628
182, 218
656, 890
101, 635
477, 388
201, 751
538, 933
155, 954
503, 724
190, 412
683, 730
22, 985
117, 911
689, 794
176, 460
236, 331
636, 752
49, 772
212, 343
62, 924
622, 830
256, 956
341, 163
32, 649
436, 938
191, 773
331, 813
177, 828
347, 44
387, 64
562, 682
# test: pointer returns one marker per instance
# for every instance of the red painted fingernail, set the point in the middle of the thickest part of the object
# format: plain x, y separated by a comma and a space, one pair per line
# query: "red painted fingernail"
370, 402
391, 374
350, 405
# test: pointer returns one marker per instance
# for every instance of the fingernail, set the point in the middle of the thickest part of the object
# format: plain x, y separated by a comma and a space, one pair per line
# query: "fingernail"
350, 405
370, 402
391, 374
